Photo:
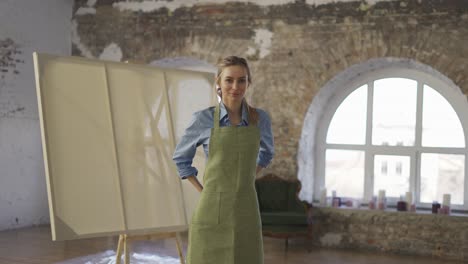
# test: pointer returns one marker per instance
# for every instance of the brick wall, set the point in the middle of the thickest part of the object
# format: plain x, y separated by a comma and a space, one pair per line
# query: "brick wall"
397, 232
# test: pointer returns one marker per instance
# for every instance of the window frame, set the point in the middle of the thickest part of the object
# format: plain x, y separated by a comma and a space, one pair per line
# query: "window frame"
450, 92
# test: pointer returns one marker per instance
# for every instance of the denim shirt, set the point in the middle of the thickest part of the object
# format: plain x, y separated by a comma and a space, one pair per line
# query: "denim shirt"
199, 131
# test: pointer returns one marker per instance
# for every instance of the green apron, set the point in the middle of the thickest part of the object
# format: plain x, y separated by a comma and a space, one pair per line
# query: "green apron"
226, 226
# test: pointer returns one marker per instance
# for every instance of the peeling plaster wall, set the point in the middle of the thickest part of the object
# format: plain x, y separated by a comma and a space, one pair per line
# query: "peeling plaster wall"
27, 26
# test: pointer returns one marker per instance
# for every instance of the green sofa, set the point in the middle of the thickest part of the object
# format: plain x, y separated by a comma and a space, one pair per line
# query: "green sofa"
283, 214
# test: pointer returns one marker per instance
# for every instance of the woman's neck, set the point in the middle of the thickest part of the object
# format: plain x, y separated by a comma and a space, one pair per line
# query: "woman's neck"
234, 110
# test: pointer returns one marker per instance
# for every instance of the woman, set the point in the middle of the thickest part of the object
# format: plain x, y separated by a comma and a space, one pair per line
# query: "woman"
238, 143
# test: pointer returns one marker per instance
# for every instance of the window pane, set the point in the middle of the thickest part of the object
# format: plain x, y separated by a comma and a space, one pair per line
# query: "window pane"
441, 126
394, 115
348, 125
395, 178
440, 174
344, 172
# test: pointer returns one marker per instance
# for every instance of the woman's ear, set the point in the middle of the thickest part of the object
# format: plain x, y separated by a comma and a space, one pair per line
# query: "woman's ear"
218, 87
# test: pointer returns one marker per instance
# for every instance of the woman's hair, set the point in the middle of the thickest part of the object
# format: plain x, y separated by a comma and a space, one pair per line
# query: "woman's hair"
236, 61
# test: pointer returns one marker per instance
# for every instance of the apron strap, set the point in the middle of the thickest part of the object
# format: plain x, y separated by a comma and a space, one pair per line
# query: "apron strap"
252, 121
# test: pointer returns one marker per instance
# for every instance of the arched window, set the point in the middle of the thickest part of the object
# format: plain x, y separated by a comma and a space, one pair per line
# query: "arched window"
396, 129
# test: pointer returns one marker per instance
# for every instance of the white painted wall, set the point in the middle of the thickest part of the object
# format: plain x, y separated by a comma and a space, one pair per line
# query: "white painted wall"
28, 25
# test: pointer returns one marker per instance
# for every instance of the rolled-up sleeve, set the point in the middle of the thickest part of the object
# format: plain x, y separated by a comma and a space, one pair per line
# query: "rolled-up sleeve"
267, 149
186, 148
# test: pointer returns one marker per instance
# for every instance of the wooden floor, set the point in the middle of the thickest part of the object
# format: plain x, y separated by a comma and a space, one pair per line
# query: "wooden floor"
33, 245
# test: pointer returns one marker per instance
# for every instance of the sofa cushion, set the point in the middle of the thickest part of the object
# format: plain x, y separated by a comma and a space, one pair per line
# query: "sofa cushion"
293, 202
272, 195
283, 218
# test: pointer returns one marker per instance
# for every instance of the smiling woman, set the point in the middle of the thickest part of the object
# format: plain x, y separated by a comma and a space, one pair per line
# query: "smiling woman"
226, 226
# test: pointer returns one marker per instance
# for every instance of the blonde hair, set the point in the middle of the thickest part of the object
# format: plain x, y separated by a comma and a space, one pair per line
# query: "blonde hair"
236, 61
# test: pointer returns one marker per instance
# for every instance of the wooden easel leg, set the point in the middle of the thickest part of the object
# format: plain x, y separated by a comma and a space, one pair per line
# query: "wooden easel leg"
119, 249
126, 251
179, 248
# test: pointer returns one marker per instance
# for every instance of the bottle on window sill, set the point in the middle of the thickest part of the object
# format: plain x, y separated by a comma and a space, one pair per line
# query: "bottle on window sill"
445, 210
323, 197
382, 205
372, 203
410, 206
435, 207
401, 206
336, 202
381, 200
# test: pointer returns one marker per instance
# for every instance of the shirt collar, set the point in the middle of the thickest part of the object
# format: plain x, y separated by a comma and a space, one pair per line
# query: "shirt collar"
223, 112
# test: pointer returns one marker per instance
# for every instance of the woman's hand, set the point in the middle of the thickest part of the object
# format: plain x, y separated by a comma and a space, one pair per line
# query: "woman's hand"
194, 181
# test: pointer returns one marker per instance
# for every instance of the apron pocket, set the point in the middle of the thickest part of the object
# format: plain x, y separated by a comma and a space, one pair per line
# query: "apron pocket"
207, 212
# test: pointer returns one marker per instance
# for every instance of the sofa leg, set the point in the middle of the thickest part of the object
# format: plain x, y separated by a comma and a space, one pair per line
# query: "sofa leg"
309, 244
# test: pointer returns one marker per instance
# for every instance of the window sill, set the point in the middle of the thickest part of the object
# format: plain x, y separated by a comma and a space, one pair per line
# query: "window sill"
419, 211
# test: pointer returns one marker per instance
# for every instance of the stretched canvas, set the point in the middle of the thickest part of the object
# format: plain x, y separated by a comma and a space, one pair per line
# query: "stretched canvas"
109, 130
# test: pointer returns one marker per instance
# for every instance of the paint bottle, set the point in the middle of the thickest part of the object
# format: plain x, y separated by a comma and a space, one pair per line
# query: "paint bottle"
336, 201
446, 204
381, 200
323, 197
402, 205
410, 206
372, 203
435, 207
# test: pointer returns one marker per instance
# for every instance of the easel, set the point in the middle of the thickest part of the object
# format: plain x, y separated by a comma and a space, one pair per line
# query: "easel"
125, 239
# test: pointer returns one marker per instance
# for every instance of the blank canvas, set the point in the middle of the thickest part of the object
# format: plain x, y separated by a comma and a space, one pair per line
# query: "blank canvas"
109, 130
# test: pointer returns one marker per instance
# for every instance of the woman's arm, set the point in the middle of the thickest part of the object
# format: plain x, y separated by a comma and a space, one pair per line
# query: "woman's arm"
259, 168
194, 181
187, 146
267, 149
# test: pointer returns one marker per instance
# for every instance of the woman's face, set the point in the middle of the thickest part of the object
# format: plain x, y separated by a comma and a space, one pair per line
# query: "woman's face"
233, 82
